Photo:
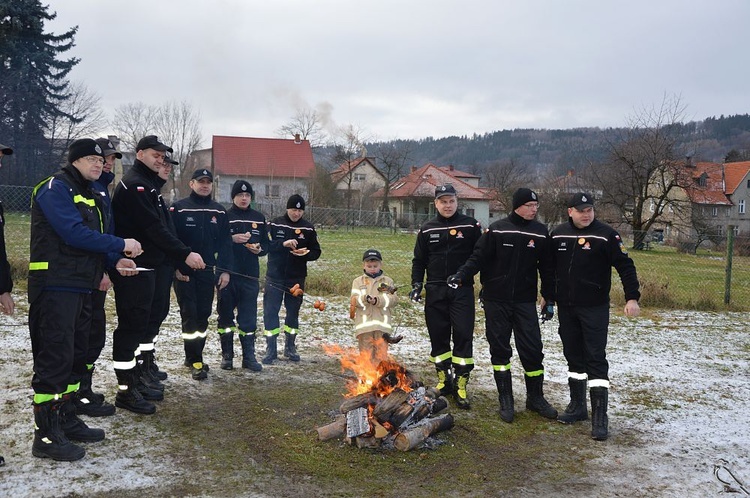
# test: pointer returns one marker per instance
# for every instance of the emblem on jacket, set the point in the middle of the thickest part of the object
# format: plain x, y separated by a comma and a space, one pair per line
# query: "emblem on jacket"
213, 220
255, 225
459, 235
531, 244
453, 231
586, 247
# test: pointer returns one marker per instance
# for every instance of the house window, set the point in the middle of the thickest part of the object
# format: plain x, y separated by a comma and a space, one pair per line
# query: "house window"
714, 211
736, 230
719, 230
741, 206
273, 191
360, 177
748, 184
702, 180
470, 212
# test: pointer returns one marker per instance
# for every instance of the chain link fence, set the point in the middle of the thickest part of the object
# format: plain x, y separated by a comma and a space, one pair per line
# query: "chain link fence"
689, 274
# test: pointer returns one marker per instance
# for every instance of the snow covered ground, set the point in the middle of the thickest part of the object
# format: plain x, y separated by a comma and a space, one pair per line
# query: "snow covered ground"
680, 388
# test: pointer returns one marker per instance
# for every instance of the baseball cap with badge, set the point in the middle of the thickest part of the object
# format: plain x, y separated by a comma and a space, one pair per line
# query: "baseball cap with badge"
84, 147
581, 200
152, 142
445, 189
202, 173
107, 148
168, 159
372, 254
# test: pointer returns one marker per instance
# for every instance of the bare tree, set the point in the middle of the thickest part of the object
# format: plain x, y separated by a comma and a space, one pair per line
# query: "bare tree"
81, 116
134, 121
179, 125
505, 177
393, 157
308, 124
348, 146
642, 172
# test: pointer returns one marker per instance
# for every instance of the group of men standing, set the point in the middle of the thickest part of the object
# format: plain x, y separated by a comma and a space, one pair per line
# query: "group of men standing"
573, 264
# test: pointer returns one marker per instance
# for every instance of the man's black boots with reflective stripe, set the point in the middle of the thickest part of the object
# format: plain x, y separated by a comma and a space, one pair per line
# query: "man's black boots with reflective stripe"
290, 350
49, 438
74, 428
87, 402
577, 409
271, 351
227, 350
149, 359
445, 379
128, 397
535, 397
146, 376
599, 419
460, 394
248, 353
504, 384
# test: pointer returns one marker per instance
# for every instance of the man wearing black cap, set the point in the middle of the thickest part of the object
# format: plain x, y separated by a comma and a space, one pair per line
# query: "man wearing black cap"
138, 212
443, 244
509, 256
249, 242
201, 223
585, 250
67, 259
86, 400
294, 242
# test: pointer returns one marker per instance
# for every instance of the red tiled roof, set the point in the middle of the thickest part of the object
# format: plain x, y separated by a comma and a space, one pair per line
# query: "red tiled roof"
422, 183
247, 156
713, 191
456, 173
734, 173
347, 167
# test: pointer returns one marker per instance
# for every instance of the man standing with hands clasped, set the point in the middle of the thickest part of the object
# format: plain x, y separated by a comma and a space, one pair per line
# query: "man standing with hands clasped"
585, 250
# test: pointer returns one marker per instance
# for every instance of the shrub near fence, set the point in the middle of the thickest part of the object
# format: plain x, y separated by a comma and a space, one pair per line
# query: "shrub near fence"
669, 279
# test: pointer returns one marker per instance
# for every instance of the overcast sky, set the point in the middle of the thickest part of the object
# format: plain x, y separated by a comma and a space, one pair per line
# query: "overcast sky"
412, 68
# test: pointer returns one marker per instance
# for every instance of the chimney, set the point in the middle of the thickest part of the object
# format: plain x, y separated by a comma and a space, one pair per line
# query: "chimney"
296, 139
412, 169
450, 167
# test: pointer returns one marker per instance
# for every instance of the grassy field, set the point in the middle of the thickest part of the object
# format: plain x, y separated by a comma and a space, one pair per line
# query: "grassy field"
669, 279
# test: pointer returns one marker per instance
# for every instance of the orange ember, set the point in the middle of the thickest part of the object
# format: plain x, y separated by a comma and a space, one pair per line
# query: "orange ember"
379, 374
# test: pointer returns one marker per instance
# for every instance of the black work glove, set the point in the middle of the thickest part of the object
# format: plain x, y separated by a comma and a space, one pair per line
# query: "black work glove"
454, 281
371, 300
416, 292
547, 312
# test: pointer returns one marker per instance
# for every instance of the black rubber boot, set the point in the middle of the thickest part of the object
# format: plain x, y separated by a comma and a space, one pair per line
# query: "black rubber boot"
504, 383
248, 353
87, 402
227, 350
86, 388
599, 419
271, 353
577, 409
149, 359
146, 376
535, 397
128, 397
74, 428
445, 379
49, 438
460, 394
290, 350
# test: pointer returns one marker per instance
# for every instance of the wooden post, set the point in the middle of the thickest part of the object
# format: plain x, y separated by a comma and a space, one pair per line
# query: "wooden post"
728, 270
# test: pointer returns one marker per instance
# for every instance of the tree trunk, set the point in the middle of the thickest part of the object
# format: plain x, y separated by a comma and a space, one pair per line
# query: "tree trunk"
411, 438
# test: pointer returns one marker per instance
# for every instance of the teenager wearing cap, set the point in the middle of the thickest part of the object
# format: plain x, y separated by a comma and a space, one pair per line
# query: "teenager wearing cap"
371, 301
249, 242
510, 255
87, 401
67, 258
443, 244
7, 305
585, 251
201, 223
137, 209
294, 242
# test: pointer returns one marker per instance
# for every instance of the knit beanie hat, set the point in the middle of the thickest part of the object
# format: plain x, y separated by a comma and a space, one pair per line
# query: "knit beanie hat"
242, 187
296, 202
83, 147
522, 196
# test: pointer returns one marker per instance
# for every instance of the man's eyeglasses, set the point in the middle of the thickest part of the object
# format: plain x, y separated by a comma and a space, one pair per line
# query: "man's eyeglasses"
95, 159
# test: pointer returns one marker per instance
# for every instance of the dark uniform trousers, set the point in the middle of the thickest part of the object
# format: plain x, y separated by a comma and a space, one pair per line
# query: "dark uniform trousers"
521, 320
451, 311
162, 299
583, 330
274, 293
196, 299
133, 297
241, 293
98, 336
59, 325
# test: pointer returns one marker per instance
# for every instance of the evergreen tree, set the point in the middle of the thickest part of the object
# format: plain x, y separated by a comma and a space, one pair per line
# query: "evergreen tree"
33, 85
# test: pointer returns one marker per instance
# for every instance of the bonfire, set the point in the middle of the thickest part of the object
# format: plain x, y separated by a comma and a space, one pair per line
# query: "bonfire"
384, 404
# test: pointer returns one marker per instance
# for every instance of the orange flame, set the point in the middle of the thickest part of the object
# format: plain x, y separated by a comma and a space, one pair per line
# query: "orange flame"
378, 372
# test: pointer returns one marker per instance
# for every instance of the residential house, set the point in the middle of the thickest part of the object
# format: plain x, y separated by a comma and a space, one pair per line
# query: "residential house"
356, 180
737, 179
411, 198
275, 167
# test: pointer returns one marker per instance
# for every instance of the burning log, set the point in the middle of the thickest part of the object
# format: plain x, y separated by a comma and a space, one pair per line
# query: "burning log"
365, 399
390, 403
411, 438
335, 429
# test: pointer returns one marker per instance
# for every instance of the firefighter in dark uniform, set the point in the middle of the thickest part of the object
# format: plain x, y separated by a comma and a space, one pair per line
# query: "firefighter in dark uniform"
6, 281
509, 255
138, 211
444, 244
202, 224
87, 401
294, 242
249, 242
69, 250
585, 251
